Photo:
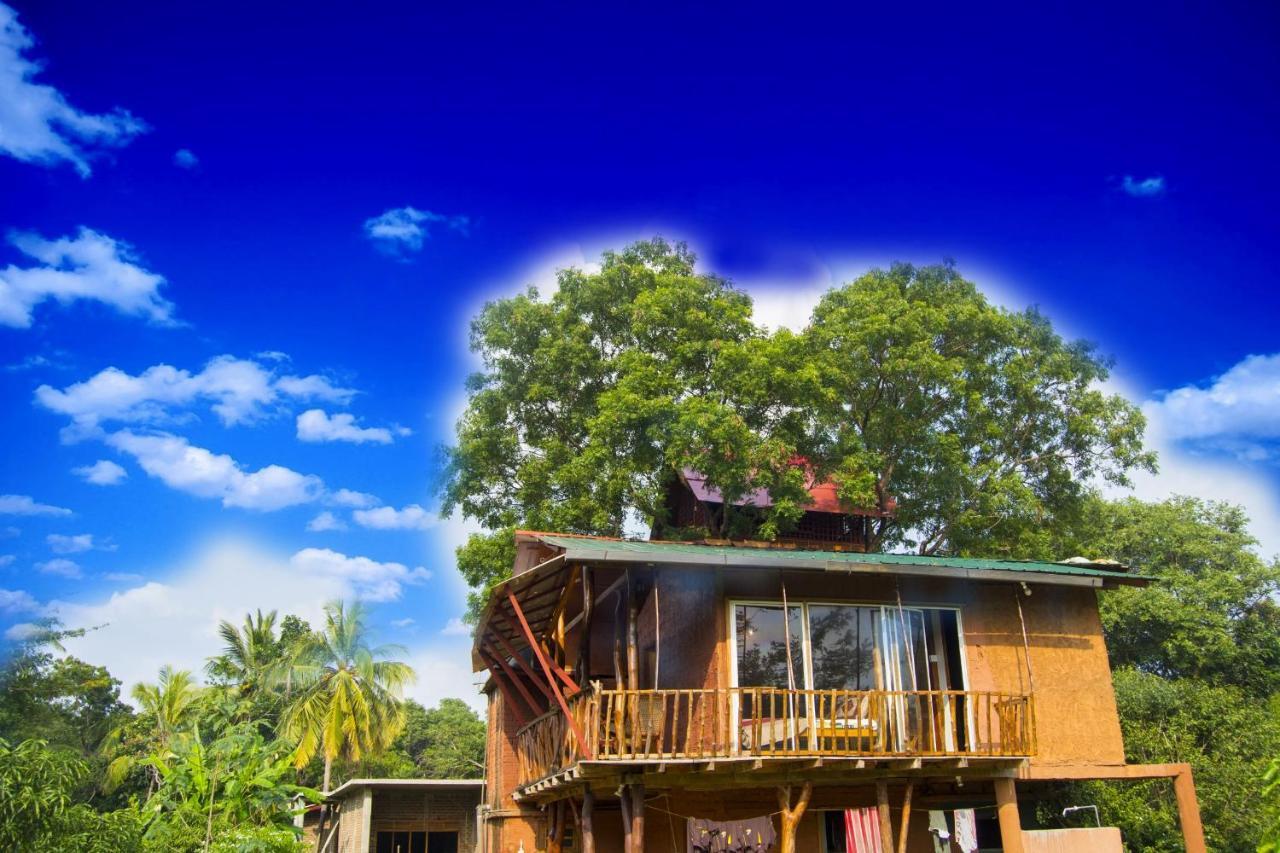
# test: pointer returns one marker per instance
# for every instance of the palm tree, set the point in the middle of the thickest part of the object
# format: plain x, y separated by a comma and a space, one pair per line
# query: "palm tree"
348, 692
248, 654
171, 704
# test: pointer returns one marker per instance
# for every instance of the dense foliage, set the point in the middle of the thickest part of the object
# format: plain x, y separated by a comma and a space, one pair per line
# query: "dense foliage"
908, 389
222, 767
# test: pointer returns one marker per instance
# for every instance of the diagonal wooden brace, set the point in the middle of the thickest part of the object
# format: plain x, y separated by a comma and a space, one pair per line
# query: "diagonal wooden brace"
555, 687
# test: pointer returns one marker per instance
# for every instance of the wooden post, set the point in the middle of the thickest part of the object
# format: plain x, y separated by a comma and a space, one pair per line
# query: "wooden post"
1184, 788
633, 634
906, 818
624, 802
588, 825
1007, 812
584, 642
636, 789
555, 833
789, 816
886, 822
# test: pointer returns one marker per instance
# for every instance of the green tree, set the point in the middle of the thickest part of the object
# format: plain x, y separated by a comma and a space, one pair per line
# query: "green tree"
590, 400
168, 710
963, 422
347, 693
248, 653
446, 741
38, 808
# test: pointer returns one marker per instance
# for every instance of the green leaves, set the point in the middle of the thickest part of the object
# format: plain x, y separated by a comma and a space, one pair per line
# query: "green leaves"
962, 423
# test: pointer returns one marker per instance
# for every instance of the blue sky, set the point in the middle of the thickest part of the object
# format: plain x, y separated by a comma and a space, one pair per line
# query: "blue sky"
252, 214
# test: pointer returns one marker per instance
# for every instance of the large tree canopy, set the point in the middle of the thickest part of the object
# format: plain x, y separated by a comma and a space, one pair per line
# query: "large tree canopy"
908, 388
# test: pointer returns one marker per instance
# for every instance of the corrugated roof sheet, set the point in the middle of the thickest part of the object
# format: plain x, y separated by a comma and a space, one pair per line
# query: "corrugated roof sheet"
626, 550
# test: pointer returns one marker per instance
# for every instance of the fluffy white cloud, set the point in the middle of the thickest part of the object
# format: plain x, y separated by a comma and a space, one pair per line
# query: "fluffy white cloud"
17, 601
317, 426
401, 623
357, 500
62, 544
1143, 188
367, 579
326, 521
412, 517
25, 505
238, 390
403, 229
37, 125
184, 159
104, 472
1240, 408
61, 567
197, 471
456, 628
89, 266
444, 671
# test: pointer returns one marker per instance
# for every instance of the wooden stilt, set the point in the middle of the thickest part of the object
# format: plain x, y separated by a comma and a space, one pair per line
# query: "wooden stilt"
789, 817
584, 643
588, 824
1007, 812
1184, 788
637, 817
555, 830
633, 634
624, 801
886, 822
905, 822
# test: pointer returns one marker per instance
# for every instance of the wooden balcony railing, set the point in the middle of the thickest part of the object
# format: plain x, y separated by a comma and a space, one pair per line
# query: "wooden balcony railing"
642, 725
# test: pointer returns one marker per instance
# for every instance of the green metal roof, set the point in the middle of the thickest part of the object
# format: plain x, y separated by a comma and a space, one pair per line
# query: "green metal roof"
631, 551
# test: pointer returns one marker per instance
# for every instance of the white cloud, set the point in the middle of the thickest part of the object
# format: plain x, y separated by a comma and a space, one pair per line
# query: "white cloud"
1242, 406
61, 567
104, 472
17, 601
25, 505
456, 628
401, 623
62, 544
325, 521
356, 500
403, 229
89, 266
184, 159
238, 390
368, 579
37, 124
317, 426
412, 517
123, 577
197, 471
1144, 188
444, 671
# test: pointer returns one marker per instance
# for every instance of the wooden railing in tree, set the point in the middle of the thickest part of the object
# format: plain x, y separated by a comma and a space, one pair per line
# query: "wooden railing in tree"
642, 725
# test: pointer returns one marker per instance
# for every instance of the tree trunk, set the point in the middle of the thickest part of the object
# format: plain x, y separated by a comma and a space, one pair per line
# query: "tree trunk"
588, 825
328, 769
636, 791
886, 822
789, 816
906, 818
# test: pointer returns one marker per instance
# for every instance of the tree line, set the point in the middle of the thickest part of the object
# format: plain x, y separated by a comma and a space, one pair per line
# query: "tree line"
284, 713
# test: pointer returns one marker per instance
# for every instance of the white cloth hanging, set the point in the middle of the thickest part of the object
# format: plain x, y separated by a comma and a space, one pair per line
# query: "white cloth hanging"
966, 830
940, 832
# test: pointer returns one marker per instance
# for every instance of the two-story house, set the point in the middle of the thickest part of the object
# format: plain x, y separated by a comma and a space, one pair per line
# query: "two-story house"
641, 693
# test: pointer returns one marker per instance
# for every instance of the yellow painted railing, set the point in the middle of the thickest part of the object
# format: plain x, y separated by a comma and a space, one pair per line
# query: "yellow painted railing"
638, 725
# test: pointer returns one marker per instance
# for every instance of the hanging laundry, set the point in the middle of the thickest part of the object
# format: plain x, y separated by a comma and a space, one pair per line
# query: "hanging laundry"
862, 831
966, 830
940, 832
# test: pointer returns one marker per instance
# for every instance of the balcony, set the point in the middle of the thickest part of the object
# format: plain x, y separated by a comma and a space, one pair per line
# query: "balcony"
702, 727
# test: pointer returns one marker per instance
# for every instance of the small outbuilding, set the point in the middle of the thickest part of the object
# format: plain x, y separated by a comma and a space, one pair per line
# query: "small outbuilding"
398, 816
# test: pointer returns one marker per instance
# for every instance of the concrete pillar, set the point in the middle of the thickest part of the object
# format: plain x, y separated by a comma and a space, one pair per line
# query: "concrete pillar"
1007, 812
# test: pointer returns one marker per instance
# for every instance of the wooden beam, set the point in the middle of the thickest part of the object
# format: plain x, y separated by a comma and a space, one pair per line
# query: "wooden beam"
493, 660
508, 697
542, 659
524, 664
1184, 788
569, 684
905, 822
886, 822
588, 824
1007, 812
584, 642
